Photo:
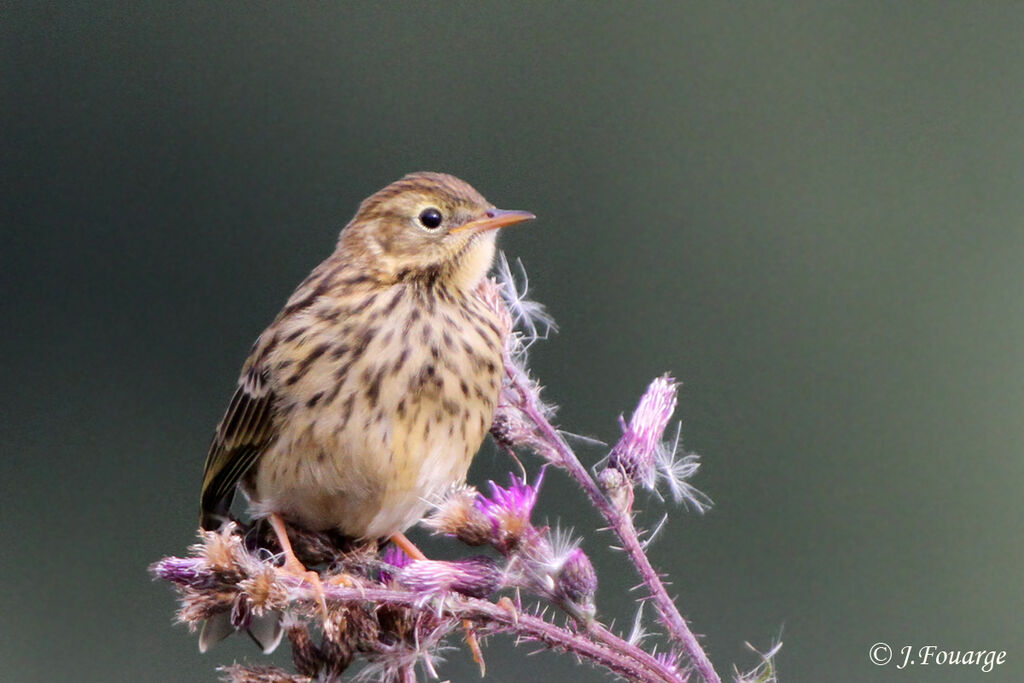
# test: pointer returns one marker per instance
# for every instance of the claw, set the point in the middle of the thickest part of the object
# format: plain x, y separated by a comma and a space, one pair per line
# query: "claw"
474, 646
506, 603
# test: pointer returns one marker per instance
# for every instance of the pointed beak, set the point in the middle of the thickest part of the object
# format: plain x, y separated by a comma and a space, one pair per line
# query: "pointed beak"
494, 219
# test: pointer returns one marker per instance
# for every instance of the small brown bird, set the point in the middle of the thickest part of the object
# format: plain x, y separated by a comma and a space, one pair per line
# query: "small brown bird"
371, 391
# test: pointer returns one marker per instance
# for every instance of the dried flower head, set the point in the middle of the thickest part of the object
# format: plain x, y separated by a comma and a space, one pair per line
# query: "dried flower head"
520, 393
394, 658
254, 673
264, 592
457, 515
348, 630
490, 292
198, 605
343, 636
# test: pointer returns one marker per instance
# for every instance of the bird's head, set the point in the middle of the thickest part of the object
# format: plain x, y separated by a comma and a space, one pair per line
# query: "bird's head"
429, 227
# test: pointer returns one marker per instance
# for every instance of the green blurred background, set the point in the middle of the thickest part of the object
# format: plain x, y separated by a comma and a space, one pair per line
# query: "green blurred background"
810, 213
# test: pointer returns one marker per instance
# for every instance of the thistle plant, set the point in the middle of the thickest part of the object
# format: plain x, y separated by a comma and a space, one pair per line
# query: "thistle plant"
399, 615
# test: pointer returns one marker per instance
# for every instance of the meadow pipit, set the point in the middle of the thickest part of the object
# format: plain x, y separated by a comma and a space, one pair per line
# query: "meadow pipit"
371, 391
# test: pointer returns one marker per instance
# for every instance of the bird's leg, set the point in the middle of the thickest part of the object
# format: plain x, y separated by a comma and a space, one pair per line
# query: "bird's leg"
410, 549
294, 566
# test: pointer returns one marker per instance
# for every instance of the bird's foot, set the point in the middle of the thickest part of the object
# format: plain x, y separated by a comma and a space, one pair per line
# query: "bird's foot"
474, 646
313, 579
506, 604
294, 567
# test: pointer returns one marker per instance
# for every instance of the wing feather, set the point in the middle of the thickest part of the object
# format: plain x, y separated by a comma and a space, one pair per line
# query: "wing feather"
244, 433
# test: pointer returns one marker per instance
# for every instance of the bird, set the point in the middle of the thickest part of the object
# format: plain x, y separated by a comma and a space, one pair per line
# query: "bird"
373, 388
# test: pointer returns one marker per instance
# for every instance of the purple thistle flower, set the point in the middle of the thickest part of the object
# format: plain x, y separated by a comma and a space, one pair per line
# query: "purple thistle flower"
509, 510
635, 453
477, 577
516, 500
184, 571
393, 558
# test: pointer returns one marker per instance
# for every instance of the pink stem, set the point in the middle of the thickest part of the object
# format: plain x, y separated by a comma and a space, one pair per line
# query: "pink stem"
608, 650
597, 644
623, 526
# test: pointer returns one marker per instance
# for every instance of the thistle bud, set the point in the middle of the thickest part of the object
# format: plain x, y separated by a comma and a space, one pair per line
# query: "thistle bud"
185, 571
617, 487
576, 585
504, 426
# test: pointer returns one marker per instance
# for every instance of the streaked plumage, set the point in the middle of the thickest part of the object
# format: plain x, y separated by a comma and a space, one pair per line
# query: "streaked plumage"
376, 384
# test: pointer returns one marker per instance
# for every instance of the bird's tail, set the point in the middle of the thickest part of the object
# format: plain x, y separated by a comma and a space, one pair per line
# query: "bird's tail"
266, 630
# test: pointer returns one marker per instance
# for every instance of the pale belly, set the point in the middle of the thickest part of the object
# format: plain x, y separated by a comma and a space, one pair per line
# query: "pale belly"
391, 439
364, 482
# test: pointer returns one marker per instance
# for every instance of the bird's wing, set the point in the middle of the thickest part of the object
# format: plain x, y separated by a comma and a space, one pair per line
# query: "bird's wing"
243, 434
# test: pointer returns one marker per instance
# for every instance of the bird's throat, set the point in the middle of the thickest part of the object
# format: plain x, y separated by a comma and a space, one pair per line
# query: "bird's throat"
473, 263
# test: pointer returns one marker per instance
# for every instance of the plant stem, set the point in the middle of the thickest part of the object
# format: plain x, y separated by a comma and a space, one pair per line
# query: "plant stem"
623, 526
597, 644
608, 650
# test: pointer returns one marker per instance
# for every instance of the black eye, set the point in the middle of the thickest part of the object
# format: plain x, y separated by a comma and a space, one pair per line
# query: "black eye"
430, 218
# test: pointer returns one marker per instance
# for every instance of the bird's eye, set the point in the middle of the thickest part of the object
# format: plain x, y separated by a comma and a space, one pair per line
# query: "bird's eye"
430, 218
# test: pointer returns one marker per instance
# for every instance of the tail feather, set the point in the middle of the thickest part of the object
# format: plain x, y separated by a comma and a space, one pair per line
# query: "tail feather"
266, 630
215, 629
